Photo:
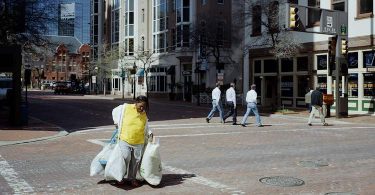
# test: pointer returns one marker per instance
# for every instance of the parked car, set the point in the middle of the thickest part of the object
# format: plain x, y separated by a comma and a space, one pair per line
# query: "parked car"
62, 88
6, 85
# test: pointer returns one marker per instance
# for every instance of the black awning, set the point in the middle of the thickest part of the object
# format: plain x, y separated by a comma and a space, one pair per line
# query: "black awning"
171, 70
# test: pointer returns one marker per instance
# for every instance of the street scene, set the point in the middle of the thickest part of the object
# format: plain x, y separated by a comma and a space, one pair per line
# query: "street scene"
187, 97
197, 157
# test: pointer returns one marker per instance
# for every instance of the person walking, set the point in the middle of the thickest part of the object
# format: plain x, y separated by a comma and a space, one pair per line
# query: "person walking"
317, 106
308, 100
131, 120
230, 95
251, 99
216, 104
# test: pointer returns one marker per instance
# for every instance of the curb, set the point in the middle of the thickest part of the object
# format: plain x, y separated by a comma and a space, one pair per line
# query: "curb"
60, 134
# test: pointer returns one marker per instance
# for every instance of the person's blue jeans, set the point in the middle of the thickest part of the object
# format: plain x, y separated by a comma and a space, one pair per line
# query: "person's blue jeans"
251, 107
215, 106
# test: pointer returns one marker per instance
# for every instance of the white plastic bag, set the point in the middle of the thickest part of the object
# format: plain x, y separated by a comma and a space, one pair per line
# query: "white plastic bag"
151, 169
97, 164
115, 168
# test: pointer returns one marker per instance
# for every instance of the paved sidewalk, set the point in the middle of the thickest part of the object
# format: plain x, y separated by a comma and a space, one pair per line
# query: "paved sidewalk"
38, 130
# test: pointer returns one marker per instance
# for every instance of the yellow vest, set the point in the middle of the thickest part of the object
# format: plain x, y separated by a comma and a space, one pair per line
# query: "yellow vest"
133, 125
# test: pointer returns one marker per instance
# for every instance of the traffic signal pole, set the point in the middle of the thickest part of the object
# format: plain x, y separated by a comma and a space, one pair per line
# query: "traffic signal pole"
337, 76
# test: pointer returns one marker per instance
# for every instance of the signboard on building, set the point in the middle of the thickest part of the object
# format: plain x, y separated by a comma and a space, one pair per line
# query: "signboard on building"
185, 72
93, 79
67, 11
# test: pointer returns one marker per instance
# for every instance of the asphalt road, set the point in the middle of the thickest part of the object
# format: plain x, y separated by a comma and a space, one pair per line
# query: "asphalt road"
198, 158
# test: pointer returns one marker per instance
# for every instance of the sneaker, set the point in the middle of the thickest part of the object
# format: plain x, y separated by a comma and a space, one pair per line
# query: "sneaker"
325, 124
243, 125
135, 183
260, 125
234, 123
207, 120
310, 124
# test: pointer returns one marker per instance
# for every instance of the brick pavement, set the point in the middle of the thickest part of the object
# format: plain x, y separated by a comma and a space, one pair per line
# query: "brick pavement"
40, 130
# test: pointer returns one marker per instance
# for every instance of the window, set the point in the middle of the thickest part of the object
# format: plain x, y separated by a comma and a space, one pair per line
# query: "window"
322, 83
353, 85
220, 33
365, 8
353, 60
257, 66
203, 2
287, 65
287, 86
293, 1
303, 84
256, 21
270, 66
314, 14
220, 1
302, 63
368, 59
322, 62
369, 85
338, 5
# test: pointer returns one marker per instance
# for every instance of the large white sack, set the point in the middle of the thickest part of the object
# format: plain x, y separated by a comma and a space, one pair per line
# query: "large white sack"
151, 169
96, 166
115, 168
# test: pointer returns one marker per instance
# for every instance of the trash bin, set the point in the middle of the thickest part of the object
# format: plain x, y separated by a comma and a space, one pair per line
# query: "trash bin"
24, 114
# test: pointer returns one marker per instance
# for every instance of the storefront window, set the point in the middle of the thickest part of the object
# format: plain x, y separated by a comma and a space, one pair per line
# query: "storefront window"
353, 60
322, 62
369, 85
322, 83
303, 85
270, 66
287, 65
353, 85
257, 66
258, 83
368, 59
302, 63
287, 86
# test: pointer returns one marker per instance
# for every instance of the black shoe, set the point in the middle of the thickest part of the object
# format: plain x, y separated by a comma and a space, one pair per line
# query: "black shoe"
243, 125
260, 125
234, 123
207, 120
310, 124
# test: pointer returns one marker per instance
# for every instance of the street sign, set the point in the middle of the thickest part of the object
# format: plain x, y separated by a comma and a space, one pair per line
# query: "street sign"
93, 79
334, 22
343, 30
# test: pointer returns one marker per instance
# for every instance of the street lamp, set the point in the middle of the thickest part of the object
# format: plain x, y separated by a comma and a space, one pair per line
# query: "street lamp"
123, 80
134, 71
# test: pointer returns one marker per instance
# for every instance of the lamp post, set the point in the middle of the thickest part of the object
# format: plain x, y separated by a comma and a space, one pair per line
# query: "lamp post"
134, 71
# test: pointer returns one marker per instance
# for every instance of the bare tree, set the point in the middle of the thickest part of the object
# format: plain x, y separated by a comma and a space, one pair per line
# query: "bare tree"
23, 21
146, 58
266, 20
212, 37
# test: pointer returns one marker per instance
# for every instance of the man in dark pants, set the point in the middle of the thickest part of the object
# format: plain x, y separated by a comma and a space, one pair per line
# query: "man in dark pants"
317, 106
231, 102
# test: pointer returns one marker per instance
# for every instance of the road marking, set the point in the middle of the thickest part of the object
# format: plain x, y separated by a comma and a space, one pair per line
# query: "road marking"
19, 185
202, 180
195, 179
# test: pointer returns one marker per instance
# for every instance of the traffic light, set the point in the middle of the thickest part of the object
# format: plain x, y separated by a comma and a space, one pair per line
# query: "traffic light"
294, 19
344, 68
344, 46
331, 55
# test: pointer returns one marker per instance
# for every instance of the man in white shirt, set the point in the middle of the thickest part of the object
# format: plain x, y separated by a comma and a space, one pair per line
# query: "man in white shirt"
216, 103
231, 102
251, 99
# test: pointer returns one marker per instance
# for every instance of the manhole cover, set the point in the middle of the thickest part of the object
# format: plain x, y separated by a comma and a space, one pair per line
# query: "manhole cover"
313, 164
283, 181
340, 193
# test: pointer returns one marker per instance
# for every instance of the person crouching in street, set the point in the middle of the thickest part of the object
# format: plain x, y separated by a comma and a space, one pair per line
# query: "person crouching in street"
216, 104
251, 99
230, 95
131, 120
317, 106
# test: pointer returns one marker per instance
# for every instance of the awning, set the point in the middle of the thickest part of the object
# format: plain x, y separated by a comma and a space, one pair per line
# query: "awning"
171, 70
140, 72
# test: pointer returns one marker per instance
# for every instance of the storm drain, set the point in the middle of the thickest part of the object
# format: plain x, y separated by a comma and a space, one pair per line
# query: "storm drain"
282, 181
313, 164
340, 193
